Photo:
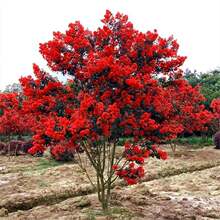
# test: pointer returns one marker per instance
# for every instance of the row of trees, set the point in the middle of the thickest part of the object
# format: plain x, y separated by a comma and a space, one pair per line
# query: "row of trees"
209, 83
124, 83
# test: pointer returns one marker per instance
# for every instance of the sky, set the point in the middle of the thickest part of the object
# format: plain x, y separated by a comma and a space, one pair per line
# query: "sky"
26, 23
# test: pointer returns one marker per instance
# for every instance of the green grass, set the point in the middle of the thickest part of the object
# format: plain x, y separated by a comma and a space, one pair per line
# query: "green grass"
45, 163
112, 213
42, 165
194, 141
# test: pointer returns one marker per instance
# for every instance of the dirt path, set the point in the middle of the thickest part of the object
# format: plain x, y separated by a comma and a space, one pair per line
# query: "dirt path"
54, 192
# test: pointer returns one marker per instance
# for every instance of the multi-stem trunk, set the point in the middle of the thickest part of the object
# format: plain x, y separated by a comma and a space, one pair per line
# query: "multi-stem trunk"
102, 159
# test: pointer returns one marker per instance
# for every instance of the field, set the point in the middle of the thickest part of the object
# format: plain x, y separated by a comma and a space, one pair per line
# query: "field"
186, 186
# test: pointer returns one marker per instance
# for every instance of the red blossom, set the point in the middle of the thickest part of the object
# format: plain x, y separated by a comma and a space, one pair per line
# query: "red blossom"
215, 105
163, 155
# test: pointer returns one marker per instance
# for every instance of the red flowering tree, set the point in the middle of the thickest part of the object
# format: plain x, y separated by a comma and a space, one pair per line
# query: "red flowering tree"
51, 104
12, 120
215, 105
188, 101
125, 83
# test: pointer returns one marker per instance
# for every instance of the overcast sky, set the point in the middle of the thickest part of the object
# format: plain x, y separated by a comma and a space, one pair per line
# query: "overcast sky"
26, 23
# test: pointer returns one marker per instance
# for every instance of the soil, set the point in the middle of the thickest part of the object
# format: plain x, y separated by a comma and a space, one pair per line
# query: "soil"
186, 186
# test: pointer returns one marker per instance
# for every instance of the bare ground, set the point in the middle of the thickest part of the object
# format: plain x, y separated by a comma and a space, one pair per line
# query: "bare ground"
186, 186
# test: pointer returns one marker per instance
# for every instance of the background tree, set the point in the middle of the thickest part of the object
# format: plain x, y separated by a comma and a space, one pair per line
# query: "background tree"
15, 87
12, 120
210, 87
209, 82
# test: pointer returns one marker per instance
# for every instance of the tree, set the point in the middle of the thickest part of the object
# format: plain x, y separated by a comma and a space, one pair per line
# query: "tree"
15, 87
215, 106
209, 82
210, 87
50, 104
12, 120
125, 83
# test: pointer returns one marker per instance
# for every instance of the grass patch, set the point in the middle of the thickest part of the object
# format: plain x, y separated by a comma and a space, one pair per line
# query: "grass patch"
112, 213
194, 141
45, 163
42, 165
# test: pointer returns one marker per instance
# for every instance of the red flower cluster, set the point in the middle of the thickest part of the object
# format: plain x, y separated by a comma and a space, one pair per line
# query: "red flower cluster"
162, 154
62, 153
13, 121
215, 105
134, 83
131, 174
135, 155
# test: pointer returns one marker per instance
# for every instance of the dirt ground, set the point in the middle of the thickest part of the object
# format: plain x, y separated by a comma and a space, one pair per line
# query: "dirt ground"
186, 186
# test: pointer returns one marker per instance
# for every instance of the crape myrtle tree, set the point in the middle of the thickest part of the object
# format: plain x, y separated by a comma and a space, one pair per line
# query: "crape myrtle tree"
210, 88
14, 124
12, 120
215, 106
51, 104
189, 102
125, 83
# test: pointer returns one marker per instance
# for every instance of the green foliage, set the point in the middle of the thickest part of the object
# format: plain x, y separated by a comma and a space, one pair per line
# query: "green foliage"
45, 163
15, 87
194, 141
1, 112
122, 140
209, 82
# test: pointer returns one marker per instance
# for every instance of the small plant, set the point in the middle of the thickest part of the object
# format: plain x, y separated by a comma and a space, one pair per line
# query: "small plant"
61, 153
215, 106
14, 147
216, 140
26, 146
